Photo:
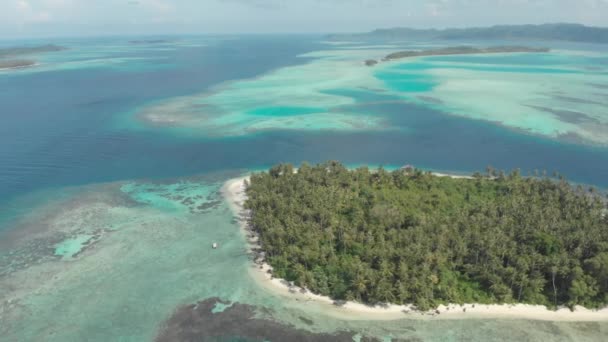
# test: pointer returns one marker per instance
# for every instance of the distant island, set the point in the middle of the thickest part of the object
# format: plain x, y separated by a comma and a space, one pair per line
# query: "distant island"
19, 63
409, 236
463, 50
371, 62
28, 50
8, 55
559, 31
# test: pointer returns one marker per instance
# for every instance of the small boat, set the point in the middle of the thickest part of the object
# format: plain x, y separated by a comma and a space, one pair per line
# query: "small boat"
214, 245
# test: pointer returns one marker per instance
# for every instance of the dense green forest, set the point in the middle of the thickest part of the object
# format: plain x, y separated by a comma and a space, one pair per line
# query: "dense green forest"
408, 236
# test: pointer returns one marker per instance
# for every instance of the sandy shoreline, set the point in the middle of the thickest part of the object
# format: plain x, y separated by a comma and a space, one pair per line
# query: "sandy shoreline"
18, 67
234, 194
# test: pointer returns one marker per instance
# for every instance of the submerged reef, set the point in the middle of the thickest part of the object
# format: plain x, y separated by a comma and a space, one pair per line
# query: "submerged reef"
304, 98
334, 90
202, 322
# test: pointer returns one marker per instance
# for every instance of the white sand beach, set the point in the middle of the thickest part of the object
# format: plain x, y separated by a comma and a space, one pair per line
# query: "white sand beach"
5, 68
234, 193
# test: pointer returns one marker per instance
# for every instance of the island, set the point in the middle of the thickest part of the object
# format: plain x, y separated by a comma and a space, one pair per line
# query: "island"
544, 32
19, 63
28, 50
421, 240
10, 57
464, 50
371, 62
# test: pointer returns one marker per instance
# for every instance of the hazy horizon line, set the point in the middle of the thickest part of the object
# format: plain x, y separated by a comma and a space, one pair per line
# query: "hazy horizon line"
266, 33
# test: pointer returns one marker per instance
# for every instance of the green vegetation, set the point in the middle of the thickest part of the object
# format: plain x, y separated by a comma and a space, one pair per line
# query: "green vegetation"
411, 237
463, 50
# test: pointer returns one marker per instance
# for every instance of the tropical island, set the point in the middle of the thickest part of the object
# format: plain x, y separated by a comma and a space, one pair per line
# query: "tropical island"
464, 50
544, 32
11, 57
371, 62
27, 50
18, 63
412, 237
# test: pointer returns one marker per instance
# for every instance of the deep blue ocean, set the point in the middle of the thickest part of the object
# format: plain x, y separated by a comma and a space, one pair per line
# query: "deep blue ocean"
57, 126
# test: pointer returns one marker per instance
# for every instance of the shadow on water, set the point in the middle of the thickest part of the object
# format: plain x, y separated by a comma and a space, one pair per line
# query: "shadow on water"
198, 322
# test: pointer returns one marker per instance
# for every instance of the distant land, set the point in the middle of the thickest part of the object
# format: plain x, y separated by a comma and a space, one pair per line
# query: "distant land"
19, 63
7, 55
456, 50
20, 51
559, 31
463, 50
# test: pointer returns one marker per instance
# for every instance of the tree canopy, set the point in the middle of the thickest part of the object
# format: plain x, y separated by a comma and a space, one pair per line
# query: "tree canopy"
408, 236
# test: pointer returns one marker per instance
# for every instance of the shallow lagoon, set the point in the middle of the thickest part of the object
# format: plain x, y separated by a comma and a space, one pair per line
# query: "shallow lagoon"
104, 222
554, 95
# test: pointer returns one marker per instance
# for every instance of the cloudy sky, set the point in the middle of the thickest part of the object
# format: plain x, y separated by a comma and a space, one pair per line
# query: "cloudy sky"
23, 18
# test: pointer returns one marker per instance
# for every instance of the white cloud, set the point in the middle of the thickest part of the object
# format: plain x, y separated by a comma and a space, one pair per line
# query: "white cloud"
26, 13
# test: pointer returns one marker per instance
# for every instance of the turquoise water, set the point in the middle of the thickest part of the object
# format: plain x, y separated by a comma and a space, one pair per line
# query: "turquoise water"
285, 111
408, 82
113, 154
72, 246
499, 67
540, 59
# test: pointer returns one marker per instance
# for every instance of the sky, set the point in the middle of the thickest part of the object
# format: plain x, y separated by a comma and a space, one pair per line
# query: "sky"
37, 18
